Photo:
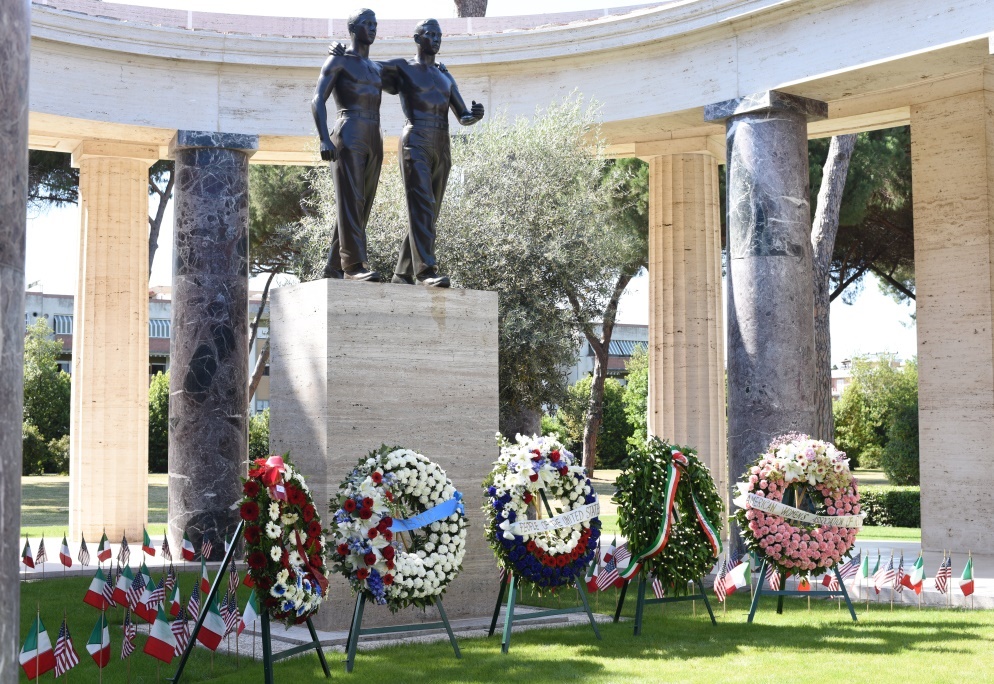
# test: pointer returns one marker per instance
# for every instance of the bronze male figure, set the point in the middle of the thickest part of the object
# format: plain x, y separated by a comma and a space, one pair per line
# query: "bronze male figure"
354, 146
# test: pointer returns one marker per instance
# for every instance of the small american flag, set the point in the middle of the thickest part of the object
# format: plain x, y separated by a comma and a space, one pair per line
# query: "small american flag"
42, 554
944, 574
886, 575
167, 554
502, 574
898, 587
719, 582
773, 577
108, 590
130, 631
124, 554
157, 596
233, 617
608, 576
657, 587
848, 570
171, 578
65, 655
84, 554
181, 632
206, 548
232, 576
136, 590
193, 607
622, 555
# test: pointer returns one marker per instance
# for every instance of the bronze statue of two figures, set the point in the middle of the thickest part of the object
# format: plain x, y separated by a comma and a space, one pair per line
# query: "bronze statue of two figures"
354, 146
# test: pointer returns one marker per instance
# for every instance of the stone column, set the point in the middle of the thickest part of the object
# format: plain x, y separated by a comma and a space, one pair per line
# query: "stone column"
15, 31
108, 425
770, 302
208, 381
686, 346
952, 147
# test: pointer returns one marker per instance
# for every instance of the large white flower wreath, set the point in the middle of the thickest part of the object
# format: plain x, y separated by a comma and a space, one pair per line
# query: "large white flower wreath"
553, 551
399, 528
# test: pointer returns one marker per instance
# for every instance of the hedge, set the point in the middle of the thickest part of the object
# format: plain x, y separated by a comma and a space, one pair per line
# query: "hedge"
890, 506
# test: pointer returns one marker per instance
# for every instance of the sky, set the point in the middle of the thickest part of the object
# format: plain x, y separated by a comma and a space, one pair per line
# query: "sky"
385, 9
875, 323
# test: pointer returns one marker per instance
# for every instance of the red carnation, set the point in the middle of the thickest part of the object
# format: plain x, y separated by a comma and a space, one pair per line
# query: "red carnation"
387, 579
365, 514
389, 495
533, 477
389, 565
528, 497
265, 583
361, 573
385, 523
252, 534
251, 489
367, 503
257, 560
377, 477
388, 535
372, 533
369, 558
250, 511
530, 546
313, 528
308, 513
536, 452
388, 552
295, 496
316, 562
349, 505
554, 456
563, 470
343, 549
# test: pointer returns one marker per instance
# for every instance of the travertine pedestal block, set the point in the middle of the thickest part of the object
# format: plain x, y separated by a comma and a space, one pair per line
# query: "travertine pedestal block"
686, 346
108, 434
952, 146
357, 365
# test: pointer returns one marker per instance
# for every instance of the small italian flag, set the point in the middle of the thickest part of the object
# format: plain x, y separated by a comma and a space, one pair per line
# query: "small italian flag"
175, 603
64, 555
916, 578
124, 580
205, 582
98, 645
804, 584
37, 656
27, 558
248, 581
103, 551
966, 579
147, 573
213, 629
738, 577
147, 543
95, 595
187, 549
251, 613
161, 643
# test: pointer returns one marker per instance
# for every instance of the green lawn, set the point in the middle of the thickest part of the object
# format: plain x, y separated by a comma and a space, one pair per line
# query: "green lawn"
891, 533
45, 504
817, 645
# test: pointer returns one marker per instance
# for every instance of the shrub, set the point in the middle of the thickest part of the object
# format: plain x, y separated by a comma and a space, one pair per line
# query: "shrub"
900, 457
58, 456
891, 506
34, 449
636, 397
158, 424
612, 440
259, 435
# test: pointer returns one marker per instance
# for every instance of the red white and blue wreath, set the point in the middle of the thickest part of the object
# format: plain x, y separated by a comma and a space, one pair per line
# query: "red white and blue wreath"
549, 552
399, 529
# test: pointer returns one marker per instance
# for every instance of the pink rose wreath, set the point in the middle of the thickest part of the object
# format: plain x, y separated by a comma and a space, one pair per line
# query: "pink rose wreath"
799, 506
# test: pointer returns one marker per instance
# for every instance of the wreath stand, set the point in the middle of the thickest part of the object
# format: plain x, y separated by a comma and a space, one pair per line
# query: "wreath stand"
267, 647
841, 592
642, 601
510, 585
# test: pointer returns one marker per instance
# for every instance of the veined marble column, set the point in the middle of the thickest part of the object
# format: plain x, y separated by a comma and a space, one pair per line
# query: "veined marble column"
108, 425
15, 32
770, 302
952, 154
208, 380
686, 347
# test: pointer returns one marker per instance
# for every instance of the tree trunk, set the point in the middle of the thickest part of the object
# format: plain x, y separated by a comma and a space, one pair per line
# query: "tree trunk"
254, 331
528, 422
155, 222
595, 407
258, 371
471, 8
823, 232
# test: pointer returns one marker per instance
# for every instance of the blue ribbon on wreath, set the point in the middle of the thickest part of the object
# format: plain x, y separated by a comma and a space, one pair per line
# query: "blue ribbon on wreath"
433, 514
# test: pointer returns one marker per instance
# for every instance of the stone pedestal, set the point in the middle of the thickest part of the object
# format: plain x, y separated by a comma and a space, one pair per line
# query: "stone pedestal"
15, 32
770, 302
108, 454
686, 349
208, 379
952, 146
357, 365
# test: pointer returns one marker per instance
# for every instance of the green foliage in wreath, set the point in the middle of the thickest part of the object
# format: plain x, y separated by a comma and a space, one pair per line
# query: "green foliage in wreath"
641, 496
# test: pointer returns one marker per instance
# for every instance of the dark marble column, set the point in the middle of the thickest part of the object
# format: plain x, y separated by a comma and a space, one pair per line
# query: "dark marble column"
208, 379
770, 306
15, 31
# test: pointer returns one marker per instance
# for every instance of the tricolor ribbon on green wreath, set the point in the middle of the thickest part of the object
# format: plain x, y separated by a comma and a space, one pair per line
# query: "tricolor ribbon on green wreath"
676, 467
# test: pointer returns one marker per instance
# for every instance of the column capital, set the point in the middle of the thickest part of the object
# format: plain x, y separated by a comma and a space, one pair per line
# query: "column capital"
713, 145
240, 142
90, 149
773, 100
